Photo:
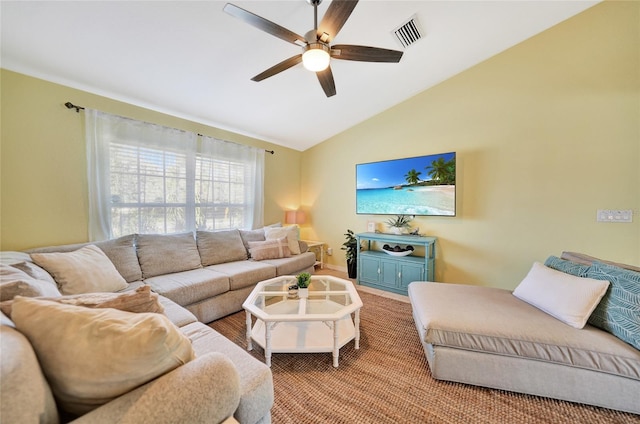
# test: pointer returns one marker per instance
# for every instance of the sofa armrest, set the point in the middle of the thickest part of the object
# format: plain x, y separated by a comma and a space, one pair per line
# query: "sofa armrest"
304, 247
206, 389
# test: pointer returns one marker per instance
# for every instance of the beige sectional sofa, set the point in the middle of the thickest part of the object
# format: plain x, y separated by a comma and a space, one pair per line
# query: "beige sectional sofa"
210, 275
197, 279
489, 337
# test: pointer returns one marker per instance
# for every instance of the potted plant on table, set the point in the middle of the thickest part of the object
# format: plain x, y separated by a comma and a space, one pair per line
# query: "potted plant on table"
304, 279
351, 248
400, 224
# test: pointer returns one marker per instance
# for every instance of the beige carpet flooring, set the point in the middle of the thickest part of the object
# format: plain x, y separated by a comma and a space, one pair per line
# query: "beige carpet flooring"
388, 381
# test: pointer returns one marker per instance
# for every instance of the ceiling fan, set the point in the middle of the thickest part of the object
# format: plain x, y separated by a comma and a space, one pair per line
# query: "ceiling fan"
317, 51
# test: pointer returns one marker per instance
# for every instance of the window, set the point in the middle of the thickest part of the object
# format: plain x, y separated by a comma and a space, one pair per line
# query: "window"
145, 178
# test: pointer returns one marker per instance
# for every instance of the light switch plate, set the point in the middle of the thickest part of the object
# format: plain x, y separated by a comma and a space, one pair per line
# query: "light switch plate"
615, 215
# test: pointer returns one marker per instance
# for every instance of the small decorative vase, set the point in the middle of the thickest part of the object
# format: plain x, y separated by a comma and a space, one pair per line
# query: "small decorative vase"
397, 230
293, 291
303, 293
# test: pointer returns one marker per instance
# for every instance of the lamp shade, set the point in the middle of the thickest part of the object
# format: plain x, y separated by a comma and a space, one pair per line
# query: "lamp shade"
295, 217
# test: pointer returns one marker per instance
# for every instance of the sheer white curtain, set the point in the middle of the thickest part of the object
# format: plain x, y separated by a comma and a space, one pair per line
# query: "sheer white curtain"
115, 147
144, 178
243, 186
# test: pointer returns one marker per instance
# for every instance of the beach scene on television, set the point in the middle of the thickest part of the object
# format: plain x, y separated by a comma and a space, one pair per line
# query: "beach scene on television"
422, 185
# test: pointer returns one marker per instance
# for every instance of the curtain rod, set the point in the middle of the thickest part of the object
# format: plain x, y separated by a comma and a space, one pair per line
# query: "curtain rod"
70, 105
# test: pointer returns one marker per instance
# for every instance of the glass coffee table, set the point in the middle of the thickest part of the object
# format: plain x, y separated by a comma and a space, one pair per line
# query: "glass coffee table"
290, 321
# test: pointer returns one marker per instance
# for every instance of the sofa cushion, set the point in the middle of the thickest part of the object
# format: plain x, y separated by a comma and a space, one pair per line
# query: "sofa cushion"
291, 233
85, 270
619, 310
251, 235
25, 395
256, 380
14, 282
269, 249
569, 298
122, 253
188, 287
581, 258
568, 267
245, 273
217, 247
161, 254
91, 356
492, 320
177, 314
294, 264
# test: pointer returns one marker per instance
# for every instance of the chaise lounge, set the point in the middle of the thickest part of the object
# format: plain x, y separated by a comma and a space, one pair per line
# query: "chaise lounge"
490, 337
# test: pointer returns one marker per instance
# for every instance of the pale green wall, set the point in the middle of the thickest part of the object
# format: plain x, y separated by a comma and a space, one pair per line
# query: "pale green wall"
43, 182
546, 133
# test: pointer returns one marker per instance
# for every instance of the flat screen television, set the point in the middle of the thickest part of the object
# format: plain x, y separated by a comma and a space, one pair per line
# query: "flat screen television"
421, 185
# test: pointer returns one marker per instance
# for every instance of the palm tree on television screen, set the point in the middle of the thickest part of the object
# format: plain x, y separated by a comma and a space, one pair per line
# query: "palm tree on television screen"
413, 176
442, 172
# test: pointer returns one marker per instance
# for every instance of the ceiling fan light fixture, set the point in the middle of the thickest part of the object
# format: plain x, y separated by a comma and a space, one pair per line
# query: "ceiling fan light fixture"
316, 57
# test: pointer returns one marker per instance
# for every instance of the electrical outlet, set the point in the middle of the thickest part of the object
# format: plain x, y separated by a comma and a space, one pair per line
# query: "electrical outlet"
615, 215
329, 251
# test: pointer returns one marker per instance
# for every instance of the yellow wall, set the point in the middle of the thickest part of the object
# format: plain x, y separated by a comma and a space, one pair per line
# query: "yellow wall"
43, 182
546, 133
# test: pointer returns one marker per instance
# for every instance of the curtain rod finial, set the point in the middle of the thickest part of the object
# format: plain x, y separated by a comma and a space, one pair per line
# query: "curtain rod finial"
70, 105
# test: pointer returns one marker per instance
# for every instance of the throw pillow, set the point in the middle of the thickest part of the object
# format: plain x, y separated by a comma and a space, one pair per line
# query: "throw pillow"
217, 247
14, 282
120, 251
161, 254
91, 356
10, 257
566, 297
269, 249
568, 267
85, 270
619, 311
291, 233
140, 300
34, 271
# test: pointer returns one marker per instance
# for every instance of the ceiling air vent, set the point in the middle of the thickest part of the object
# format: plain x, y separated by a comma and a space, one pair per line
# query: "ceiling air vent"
409, 32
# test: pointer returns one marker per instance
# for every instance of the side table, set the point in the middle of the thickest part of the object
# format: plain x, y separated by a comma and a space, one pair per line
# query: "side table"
318, 248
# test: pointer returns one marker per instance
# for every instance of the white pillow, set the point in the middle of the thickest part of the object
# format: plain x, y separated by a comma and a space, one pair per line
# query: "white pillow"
566, 297
291, 233
14, 282
85, 270
91, 356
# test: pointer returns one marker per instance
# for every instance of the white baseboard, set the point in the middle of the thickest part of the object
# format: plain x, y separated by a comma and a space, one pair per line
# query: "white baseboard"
336, 267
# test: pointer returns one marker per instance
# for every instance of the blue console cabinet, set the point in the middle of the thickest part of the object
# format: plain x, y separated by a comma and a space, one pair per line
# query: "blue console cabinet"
394, 273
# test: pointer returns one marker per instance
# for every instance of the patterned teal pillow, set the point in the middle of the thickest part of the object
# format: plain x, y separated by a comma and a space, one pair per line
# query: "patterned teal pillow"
619, 310
568, 267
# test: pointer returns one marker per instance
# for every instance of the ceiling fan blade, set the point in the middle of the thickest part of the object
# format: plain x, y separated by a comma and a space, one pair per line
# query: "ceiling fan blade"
327, 82
276, 69
264, 24
365, 53
334, 18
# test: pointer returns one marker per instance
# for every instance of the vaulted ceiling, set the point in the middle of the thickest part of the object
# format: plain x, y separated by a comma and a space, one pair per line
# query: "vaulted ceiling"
192, 60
